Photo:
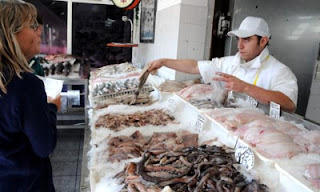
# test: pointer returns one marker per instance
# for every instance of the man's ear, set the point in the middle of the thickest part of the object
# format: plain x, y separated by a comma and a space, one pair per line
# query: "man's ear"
264, 41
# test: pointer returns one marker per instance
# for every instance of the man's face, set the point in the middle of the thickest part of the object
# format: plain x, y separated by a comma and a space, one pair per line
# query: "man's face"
250, 47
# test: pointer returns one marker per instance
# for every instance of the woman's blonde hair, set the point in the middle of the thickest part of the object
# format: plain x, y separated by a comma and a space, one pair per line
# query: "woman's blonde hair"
14, 16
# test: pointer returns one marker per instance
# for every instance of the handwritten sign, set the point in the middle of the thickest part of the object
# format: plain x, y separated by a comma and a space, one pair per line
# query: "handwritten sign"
171, 105
245, 156
199, 123
274, 110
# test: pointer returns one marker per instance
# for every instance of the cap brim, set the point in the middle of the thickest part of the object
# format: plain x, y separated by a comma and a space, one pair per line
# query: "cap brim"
240, 33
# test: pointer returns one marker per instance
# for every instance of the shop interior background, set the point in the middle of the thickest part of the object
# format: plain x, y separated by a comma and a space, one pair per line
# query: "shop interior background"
186, 30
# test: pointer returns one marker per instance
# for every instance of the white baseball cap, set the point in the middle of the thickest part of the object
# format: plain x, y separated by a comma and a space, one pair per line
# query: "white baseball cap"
252, 26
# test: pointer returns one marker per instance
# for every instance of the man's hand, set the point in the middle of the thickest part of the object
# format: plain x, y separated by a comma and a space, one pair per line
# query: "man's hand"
232, 82
153, 66
260, 94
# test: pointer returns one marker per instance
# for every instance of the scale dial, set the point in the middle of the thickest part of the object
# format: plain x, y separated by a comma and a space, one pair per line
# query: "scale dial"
245, 156
126, 4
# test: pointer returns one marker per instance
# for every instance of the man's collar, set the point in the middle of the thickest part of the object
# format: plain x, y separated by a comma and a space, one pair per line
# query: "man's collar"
254, 63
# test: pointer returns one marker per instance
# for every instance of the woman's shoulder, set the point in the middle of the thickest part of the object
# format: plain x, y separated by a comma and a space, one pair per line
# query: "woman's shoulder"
27, 80
30, 77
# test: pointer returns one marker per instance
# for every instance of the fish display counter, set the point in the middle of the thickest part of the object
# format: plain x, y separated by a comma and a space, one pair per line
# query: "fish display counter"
168, 144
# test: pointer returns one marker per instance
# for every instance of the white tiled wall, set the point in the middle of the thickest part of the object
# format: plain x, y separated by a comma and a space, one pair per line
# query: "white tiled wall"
194, 14
183, 31
207, 48
164, 4
166, 37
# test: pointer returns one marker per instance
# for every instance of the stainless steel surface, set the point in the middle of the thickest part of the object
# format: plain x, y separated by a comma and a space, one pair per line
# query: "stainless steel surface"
67, 119
313, 110
295, 29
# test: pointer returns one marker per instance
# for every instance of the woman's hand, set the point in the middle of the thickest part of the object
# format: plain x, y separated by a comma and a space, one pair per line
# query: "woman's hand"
56, 101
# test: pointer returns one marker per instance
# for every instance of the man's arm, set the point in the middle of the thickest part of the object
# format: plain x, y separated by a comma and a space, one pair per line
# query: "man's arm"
260, 94
182, 65
266, 96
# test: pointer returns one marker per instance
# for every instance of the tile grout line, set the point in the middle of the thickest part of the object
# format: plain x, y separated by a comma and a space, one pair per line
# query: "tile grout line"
79, 153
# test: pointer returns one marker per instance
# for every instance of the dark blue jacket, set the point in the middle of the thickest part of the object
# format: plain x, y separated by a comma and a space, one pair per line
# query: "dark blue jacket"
27, 136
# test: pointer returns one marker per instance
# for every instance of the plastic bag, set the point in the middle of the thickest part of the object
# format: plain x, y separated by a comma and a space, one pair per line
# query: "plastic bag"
219, 93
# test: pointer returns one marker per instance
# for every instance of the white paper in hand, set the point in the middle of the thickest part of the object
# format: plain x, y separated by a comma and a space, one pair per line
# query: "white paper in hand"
52, 87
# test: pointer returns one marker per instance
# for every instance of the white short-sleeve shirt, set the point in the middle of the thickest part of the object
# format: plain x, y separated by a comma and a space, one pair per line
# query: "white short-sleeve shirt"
273, 75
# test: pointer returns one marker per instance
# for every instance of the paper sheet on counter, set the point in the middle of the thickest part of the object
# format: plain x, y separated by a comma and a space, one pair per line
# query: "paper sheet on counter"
53, 87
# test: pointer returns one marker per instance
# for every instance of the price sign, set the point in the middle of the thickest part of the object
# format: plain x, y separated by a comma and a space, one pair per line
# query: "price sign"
199, 123
245, 156
274, 110
252, 101
171, 105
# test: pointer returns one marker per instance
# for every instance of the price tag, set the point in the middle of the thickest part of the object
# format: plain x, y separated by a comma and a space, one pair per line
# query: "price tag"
274, 110
252, 101
171, 105
199, 124
245, 156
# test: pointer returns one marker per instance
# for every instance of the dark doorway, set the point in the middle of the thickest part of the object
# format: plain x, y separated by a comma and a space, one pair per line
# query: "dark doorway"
221, 15
95, 25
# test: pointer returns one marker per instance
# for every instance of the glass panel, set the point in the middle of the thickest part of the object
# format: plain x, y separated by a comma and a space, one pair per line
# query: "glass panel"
95, 25
54, 16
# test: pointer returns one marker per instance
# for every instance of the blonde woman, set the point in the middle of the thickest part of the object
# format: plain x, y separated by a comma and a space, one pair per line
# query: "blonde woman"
27, 121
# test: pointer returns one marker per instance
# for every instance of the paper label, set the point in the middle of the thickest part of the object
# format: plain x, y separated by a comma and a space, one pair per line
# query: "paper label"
274, 110
171, 105
199, 123
245, 156
252, 101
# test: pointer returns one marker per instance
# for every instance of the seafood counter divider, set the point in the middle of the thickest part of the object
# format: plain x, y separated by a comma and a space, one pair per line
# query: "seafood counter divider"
192, 120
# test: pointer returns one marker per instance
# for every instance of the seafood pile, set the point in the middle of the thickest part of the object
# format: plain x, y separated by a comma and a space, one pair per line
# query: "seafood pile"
61, 68
116, 69
204, 168
127, 147
56, 58
270, 137
164, 142
312, 173
205, 104
116, 122
64, 65
124, 99
198, 91
175, 86
113, 87
171, 86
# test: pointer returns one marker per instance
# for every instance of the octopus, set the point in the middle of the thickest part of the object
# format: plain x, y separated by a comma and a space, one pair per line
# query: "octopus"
127, 147
124, 147
194, 169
